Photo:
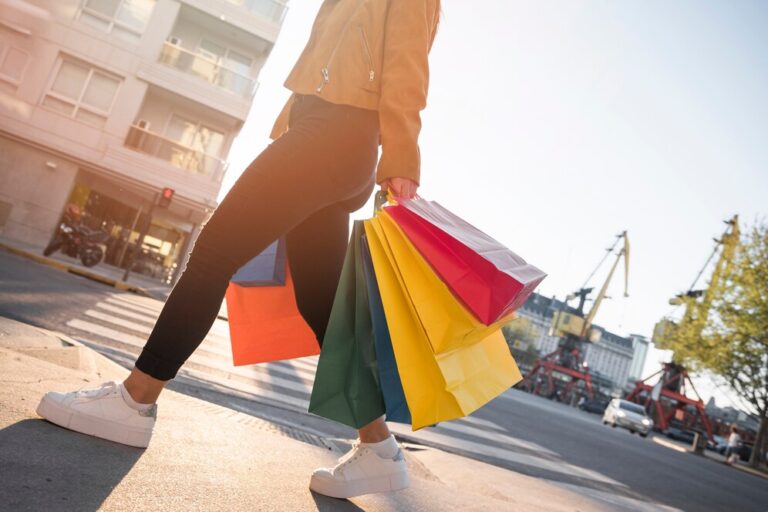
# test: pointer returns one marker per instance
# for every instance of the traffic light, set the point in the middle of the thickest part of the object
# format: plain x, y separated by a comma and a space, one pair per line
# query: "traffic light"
165, 198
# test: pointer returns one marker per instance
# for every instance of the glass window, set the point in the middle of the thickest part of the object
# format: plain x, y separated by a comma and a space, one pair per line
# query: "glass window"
195, 136
70, 80
629, 406
135, 14
100, 92
83, 92
13, 64
239, 63
125, 18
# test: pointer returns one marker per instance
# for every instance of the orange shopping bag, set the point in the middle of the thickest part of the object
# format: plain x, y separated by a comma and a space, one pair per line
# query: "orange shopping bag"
265, 323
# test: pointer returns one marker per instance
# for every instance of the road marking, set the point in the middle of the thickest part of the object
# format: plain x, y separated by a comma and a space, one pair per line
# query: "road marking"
258, 374
668, 444
117, 301
462, 428
560, 467
485, 423
624, 502
128, 314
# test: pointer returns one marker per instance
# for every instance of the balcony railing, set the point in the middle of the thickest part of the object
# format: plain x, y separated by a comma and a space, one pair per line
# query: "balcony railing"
207, 69
175, 153
271, 9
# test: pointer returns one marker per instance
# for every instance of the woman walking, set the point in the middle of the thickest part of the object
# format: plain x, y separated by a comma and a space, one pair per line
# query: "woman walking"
360, 82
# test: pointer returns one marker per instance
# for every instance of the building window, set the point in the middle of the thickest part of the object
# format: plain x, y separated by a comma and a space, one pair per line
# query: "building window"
126, 19
13, 63
82, 91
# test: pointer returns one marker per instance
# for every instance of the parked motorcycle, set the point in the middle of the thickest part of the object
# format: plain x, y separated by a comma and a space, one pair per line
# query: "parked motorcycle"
79, 242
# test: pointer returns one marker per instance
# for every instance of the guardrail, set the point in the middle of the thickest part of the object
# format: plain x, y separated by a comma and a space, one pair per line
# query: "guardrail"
176, 154
273, 10
209, 70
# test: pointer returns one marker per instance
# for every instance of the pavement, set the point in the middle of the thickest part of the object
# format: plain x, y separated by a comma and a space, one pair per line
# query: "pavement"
103, 273
205, 456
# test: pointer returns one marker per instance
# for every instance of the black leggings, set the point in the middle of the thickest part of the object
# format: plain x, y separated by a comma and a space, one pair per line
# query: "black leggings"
303, 187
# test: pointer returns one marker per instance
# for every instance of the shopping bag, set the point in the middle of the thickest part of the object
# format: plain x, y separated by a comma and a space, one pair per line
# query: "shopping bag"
389, 378
346, 387
265, 323
266, 269
446, 321
487, 277
438, 387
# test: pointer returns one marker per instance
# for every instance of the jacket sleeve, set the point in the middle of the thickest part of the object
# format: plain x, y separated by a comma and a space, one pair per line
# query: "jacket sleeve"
408, 37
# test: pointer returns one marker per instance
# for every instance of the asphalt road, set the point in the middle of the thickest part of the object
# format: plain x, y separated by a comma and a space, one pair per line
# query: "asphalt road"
517, 431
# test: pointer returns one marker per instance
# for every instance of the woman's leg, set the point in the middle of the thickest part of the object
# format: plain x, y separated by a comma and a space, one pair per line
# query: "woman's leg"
316, 250
318, 163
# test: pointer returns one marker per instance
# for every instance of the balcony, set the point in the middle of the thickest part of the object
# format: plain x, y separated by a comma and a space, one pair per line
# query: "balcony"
209, 70
178, 155
273, 10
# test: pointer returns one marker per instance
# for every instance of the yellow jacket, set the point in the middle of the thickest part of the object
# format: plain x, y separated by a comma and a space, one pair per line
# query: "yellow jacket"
372, 54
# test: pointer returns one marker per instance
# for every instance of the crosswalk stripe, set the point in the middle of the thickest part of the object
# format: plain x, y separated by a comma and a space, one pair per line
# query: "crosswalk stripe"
128, 314
480, 422
216, 345
462, 428
618, 501
503, 453
259, 374
133, 307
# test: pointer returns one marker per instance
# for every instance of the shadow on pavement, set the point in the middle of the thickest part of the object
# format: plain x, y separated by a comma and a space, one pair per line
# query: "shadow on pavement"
326, 504
46, 467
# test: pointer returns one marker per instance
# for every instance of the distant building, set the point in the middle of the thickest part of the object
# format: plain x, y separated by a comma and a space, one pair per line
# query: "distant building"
610, 359
640, 346
103, 104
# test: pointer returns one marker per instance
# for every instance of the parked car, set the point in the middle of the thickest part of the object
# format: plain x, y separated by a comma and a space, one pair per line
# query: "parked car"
686, 436
629, 415
594, 406
716, 443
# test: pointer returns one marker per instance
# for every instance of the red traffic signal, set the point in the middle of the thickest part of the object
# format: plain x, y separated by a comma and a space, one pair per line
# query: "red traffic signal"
165, 197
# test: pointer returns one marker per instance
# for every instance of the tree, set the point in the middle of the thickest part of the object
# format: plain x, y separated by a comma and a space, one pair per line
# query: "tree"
734, 341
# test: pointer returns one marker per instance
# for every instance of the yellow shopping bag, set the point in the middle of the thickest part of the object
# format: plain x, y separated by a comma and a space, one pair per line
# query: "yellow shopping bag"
437, 387
448, 323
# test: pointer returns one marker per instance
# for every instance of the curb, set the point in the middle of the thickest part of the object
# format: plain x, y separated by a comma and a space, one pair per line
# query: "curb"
93, 276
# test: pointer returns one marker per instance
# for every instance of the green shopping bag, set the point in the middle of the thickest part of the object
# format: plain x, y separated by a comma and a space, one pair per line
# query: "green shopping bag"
346, 387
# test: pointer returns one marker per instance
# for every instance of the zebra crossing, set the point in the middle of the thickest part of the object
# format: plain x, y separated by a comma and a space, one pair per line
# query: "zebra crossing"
123, 321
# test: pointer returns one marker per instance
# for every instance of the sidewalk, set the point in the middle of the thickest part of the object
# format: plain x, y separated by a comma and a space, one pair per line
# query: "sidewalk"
204, 456
107, 274
709, 455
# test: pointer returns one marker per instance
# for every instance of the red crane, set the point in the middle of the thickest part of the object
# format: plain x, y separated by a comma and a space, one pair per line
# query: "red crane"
575, 329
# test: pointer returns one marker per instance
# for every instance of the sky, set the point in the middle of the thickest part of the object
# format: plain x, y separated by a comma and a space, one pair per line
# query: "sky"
554, 125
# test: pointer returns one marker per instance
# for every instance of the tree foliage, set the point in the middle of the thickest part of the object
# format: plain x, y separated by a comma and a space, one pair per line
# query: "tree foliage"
734, 340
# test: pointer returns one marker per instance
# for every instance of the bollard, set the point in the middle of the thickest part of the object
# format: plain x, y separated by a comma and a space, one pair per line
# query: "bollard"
699, 443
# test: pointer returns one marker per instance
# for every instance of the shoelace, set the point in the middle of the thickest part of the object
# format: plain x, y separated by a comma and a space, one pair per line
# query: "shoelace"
103, 390
350, 456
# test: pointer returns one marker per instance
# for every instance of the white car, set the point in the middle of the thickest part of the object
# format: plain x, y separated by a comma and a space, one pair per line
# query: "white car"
629, 415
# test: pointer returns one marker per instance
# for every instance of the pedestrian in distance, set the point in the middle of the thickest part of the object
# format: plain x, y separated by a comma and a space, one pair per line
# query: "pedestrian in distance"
360, 82
733, 447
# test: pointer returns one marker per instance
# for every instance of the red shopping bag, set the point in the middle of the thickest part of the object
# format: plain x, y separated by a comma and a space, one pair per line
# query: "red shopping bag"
265, 324
488, 278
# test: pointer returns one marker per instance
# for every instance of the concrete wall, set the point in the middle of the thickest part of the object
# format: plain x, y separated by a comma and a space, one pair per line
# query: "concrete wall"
37, 194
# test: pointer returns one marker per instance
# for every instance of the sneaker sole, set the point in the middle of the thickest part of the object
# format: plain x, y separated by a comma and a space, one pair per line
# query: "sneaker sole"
92, 426
343, 490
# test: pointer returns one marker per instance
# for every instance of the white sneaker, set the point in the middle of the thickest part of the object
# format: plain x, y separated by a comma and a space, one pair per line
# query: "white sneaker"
361, 471
100, 412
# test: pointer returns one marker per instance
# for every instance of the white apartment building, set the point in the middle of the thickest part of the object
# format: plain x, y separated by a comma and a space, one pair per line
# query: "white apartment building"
641, 346
104, 103
610, 358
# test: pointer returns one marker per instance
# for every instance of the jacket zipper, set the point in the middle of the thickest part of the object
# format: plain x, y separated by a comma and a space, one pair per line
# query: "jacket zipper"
324, 70
371, 72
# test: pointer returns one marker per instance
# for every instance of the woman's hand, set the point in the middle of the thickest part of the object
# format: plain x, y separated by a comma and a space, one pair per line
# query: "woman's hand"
400, 187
